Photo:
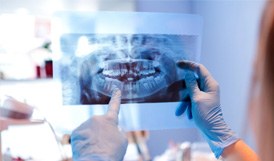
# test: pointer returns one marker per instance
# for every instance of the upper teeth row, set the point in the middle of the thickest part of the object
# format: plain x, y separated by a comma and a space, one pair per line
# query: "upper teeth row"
139, 66
122, 72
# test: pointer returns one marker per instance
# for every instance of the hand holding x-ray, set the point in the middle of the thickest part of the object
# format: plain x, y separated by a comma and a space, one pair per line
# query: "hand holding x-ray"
99, 137
205, 107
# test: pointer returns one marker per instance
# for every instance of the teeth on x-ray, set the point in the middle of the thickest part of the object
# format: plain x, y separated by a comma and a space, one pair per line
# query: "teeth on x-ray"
137, 77
140, 88
138, 69
134, 72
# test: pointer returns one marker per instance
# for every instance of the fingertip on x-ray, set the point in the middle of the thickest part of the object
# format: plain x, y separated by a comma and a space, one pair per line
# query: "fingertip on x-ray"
135, 52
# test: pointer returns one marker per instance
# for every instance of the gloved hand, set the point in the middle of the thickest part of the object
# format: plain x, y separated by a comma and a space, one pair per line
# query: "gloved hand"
205, 107
99, 139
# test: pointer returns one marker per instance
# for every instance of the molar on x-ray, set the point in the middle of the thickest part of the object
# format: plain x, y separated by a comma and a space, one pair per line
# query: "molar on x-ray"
143, 66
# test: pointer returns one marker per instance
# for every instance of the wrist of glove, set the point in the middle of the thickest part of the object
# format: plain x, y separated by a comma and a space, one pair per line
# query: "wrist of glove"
205, 108
218, 134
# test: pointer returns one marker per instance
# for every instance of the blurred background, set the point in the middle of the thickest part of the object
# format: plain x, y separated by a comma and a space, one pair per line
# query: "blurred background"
229, 43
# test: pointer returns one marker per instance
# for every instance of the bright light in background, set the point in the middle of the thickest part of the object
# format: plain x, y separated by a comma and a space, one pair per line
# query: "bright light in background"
17, 39
87, 5
82, 46
22, 11
79, 5
17, 32
54, 6
48, 7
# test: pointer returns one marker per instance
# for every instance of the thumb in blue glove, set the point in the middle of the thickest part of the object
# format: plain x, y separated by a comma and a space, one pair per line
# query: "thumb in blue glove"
99, 139
205, 107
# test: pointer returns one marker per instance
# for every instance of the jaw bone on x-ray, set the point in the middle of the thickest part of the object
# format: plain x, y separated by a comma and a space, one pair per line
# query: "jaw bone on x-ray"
142, 66
136, 52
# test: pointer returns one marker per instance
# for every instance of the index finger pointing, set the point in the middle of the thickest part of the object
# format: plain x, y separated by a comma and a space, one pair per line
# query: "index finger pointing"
114, 105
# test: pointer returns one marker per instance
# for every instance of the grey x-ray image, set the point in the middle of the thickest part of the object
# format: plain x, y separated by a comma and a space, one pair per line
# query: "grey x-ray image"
143, 66
137, 52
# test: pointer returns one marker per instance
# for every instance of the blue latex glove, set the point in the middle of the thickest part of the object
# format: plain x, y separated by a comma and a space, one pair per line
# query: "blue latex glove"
99, 139
205, 107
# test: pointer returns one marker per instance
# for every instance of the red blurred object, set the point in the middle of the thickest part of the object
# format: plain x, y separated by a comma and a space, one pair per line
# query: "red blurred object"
18, 159
49, 68
38, 71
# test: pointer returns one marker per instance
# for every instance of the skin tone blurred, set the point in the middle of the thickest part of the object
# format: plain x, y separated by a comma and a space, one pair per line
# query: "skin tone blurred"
262, 87
261, 103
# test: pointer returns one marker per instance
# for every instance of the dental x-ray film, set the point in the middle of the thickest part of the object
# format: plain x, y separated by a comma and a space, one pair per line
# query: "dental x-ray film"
133, 51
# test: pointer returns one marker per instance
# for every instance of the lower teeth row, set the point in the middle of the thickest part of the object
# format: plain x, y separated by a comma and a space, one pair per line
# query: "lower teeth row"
143, 87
